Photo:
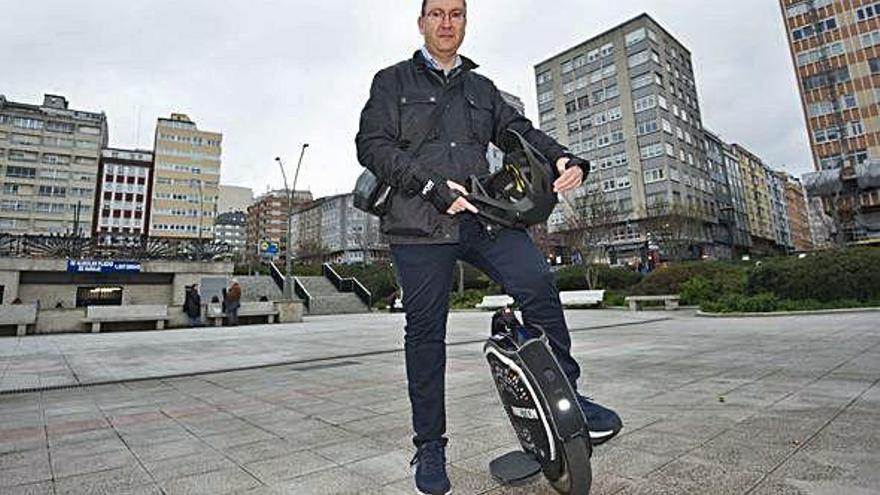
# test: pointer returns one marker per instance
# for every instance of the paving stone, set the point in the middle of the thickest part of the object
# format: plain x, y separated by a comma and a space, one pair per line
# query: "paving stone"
44, 488
215, 482
271, 471
26, 474
24, 458
184, 466
167, 450
336, 480
385, 468
104, 482
260, 450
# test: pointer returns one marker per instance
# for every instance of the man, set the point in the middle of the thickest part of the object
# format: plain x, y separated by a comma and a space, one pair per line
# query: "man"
430, 223
192, 305
232, 300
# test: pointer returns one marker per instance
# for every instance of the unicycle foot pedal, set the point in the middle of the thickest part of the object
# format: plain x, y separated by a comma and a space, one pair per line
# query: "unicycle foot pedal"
514, 467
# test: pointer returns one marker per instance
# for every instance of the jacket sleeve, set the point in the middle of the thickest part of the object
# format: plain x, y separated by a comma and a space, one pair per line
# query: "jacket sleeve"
377, 138
506, 117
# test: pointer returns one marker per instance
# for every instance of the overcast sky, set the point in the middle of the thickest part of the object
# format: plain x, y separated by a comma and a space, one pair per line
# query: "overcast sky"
273, 74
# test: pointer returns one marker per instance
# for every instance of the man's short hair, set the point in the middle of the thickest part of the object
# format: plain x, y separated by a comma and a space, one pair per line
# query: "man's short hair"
425, 2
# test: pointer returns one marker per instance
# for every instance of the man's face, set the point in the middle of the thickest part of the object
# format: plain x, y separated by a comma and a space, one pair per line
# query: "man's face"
443, 25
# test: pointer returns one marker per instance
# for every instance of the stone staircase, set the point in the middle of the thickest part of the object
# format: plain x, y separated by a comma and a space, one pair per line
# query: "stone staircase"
326, 300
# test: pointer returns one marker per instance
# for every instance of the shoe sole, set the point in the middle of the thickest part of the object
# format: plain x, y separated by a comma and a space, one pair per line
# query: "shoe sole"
419, 492
600, 437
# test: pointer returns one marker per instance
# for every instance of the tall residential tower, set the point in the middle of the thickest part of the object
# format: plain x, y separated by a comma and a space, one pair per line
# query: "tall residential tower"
186, 179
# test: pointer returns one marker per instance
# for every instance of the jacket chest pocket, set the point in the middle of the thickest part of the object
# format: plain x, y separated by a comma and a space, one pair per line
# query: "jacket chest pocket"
480, 117
415, 110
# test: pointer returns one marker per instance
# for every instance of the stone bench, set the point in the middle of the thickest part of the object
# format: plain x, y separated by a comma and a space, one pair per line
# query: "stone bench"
216, 314
581, 297
96, 315
495, 302
670, 302
20, 315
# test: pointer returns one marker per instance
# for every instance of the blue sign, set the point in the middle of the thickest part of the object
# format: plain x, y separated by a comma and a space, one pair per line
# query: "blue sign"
269, 248
98, 266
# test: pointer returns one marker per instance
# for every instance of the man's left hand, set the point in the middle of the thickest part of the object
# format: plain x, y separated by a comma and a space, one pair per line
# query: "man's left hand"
568, 179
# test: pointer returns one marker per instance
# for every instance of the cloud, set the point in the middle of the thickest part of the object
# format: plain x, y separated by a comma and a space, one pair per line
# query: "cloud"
271, 75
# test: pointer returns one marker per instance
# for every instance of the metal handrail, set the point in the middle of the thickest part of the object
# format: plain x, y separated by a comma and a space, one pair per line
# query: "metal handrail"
348, 284
330, 274
300, 290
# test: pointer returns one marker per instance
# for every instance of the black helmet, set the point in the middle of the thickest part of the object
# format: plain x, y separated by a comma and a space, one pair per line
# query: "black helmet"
520, 194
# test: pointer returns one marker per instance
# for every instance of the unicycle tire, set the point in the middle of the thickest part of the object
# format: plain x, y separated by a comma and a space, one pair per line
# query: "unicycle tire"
575, 452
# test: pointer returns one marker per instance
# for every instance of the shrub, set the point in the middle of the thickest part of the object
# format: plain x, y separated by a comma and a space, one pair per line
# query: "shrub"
823, 276
696, 291
609, 278
467, 300
614, 298
723, 278
738, 303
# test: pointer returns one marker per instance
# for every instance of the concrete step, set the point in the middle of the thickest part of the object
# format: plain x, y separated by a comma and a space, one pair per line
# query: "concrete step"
345, 303
318, 286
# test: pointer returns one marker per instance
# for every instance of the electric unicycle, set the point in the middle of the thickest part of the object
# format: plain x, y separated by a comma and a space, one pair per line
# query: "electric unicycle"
542, 408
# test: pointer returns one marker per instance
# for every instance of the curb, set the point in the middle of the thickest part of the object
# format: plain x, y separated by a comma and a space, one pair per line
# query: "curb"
788, 313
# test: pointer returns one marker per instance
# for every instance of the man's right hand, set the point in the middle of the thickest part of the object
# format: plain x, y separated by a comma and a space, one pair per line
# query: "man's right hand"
445, 195
461, 204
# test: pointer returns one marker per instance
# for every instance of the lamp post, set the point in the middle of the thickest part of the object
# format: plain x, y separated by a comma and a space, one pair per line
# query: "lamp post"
288, 259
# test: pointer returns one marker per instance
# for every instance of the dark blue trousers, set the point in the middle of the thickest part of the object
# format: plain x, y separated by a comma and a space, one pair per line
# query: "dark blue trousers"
426, 276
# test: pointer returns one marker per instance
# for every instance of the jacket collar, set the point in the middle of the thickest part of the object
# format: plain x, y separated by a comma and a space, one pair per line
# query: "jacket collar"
422, 64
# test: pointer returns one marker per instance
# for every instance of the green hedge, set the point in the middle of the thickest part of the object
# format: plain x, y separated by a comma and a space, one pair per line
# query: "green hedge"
695, 280
821, 280
610, 278
823, 276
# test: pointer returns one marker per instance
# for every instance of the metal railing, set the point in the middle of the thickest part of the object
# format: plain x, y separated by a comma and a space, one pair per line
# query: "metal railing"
96, 248
349, 284
300, 290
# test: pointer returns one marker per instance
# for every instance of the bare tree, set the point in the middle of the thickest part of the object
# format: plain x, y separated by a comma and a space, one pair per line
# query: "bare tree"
590, 221
675, 227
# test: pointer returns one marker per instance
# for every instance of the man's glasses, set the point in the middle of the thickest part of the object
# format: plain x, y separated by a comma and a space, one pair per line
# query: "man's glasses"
438, 15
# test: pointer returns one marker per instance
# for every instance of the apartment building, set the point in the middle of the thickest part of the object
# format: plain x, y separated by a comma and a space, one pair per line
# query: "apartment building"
332, 230
186, 179
267, 218
122, 202
49, 156
627, 101
835, 48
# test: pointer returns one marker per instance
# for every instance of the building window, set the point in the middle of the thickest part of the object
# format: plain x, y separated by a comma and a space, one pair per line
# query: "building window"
654, 175
636, 36
639, 58
645, 103
810, 30
545, 77
868, 12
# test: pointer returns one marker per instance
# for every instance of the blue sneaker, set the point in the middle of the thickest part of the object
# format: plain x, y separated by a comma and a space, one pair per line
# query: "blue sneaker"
430, 463
602, 422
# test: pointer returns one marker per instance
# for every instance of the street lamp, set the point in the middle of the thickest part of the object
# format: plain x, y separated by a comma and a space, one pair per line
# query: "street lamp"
288, 260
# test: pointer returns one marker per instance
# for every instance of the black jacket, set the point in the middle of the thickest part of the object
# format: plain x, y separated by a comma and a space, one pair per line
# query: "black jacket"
192, 304
402, 98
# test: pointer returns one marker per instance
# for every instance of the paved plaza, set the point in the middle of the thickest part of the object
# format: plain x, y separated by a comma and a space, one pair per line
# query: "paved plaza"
784, 405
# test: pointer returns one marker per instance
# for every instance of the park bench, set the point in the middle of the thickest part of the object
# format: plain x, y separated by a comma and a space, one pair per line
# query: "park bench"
670, 302
581, 297
251, 308
495, 302
97, 315
20, 315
